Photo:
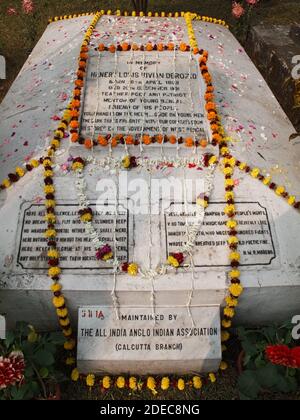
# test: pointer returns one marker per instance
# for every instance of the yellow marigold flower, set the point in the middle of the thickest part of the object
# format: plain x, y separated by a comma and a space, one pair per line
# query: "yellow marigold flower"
50, 217
235, 256
62, 313
86, 217
77, 166
231, 224
224, 348
126, 162
55, 143
226, 323
106, 382
68, 333
212, 160
225, 336
59, 301
212, 378
54, 271
50, 203
53, 253
75, 375
224, 151
230, 161
229, 312
133, 383
48, 174
59, 133
35, 163
70, 361
202, 203
69, 345
229, 182
165, 383
47, 162
233, 240
121, 382
64, 322
50, 233
90, 380
32, 336
151, 384
236, 290
229, 209
49, 189
108, 256
223, 366
242, 166
50, 153
255, 172
173, 262
291, 200
197, 382
181, 385
56, 287
231, 301
133, 269
280, 190
228, 171
20, 172
229, 196
234, 274
267, 180
6, 183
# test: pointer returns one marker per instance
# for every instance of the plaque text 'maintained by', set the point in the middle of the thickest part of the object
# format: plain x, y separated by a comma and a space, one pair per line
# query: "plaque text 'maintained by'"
134, 93
256, 244
76, 250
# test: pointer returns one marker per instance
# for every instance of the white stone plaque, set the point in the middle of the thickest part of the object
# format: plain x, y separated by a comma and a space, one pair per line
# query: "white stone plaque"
141, 342
257, 246
144, 92
76, 251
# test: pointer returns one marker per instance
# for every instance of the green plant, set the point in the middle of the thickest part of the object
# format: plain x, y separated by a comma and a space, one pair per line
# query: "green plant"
259, 373
34, 355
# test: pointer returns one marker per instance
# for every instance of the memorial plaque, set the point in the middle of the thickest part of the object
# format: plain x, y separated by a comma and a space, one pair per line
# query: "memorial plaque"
142, 342
138, 92
256, 239
77, 253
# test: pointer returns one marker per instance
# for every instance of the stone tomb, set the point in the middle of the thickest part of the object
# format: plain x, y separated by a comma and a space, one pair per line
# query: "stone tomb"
269, 228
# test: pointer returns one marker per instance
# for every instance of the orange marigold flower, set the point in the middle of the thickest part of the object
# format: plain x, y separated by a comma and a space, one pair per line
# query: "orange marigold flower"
79, 83
183, 47
102, 141
211, 115
210, 89
207, 77
171, 46
135, 47
82, 64
146, 139
75, 113
76, 103
208, 96
74, 124
101, 47
160, 138
112, 48
210, 105
88, 143
172, 139
195, 50
125, 46
74, 137
80, 73
129, 140
160, 47
114, 142
203, 143
189, 142
149, 47
83, 56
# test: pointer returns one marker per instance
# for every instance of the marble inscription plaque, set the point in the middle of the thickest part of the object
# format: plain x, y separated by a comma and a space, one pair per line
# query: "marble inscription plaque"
140, 92
255, 235
76, 250
143, 342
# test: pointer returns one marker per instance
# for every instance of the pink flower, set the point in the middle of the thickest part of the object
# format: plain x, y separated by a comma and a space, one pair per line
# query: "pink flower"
252, 2
11, 11
28, 6
237, 10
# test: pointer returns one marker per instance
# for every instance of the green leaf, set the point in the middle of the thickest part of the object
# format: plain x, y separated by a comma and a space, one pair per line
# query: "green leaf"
248, 385
10, 338
29, 372
268, 376
44, 373
260, 361
44, 358
57, 338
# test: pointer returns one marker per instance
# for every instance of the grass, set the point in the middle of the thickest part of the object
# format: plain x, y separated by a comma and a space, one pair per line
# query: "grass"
19, 33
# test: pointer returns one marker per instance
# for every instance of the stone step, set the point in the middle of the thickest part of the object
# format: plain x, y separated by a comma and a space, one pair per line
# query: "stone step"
170, 340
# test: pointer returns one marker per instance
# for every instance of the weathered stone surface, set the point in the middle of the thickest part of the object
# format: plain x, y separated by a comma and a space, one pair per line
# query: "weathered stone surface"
272, 49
